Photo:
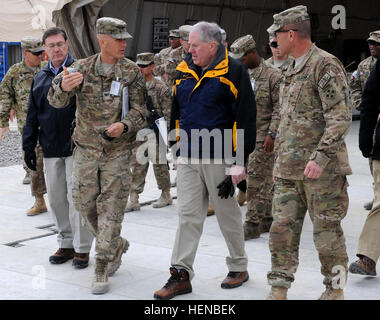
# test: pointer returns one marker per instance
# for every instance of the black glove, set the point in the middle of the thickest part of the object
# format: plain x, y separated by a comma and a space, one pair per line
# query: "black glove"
226, 188
105, 136
242, 185
30, 159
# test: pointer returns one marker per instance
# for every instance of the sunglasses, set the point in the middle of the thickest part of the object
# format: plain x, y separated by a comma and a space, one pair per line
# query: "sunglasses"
284, 30
37, 53
274, 44
373, 43
145, 65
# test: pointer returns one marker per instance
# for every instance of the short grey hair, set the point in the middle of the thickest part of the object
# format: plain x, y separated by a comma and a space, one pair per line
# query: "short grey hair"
208, 31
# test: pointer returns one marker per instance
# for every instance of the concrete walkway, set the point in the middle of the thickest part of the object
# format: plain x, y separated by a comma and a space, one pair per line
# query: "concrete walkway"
27, 242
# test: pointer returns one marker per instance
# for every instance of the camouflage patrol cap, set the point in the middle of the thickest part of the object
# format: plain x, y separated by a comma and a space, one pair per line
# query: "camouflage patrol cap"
32, 44
271, 37
289, 16
374, 36
116, 28
174, 33
241, 46
145, 58
184, 32
224, 34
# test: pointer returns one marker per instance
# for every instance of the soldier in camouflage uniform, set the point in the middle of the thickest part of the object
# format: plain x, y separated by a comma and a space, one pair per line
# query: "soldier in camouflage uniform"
278, 60
111, 93
360, 77
14, 93
311, 161
177, 55
161, 97
265, 81
161, 58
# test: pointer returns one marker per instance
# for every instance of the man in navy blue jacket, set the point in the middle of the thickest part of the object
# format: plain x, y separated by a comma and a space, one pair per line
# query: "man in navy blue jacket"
213, 110
369, 242
53, 127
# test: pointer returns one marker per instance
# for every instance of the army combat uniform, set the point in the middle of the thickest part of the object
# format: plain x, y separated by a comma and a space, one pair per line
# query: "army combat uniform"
160, 59
314, 119
14, 94
161, 97
101, 173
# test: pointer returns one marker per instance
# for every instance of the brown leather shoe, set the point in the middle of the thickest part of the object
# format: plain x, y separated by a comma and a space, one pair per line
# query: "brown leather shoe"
62, 255
81, 260
364, 266
234, 279
178, 283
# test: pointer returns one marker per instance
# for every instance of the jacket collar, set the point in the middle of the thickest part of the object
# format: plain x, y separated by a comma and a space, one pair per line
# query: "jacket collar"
99, 68
70, 60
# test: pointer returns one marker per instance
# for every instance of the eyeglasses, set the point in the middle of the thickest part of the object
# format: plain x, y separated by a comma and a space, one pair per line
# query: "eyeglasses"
36, 53
274, 44
285, 30
60, 45
373, 43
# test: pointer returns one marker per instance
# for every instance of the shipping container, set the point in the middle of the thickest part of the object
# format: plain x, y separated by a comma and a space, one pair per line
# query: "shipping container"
10, 53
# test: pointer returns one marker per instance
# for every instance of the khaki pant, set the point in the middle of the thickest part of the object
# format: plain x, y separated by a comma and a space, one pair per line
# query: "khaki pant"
369, 240
71, 232
195, 184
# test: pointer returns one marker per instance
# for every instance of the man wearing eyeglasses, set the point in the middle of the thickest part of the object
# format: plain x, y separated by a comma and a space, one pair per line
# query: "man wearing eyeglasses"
160, 97
311, 158
14, 93
360, 77
52, 128
279, 60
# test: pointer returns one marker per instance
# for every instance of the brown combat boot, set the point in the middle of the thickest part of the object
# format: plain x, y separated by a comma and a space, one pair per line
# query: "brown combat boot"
26, 179
278, 293
332, 294
210, 210
164, 200
234, 279
100, 281
38, 207
116, 262
133, 202
251, 230
364, 266
178, 283
241, 198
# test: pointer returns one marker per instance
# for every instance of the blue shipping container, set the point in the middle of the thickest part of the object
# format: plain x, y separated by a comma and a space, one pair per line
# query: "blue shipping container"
10, 53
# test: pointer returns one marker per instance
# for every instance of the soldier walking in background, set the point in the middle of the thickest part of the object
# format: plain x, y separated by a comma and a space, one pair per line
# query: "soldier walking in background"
111, 93
14, 94
359, 79
160, 99
279, 60
311, 161
265, 81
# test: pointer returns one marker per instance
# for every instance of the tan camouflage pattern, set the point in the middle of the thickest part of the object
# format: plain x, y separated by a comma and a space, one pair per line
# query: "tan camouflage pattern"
326, 200
259, 185
162, 100
315, 118
116, 28
374, 36
145, 58
184, 31
175, 57
359, 79
32, 44
174, 33
260, 165
160, 59
289, 16
242, 45
101, 174
283, 67
37, 178
14, 93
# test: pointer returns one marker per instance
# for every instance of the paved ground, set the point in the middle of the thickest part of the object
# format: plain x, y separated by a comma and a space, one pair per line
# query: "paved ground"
27, 242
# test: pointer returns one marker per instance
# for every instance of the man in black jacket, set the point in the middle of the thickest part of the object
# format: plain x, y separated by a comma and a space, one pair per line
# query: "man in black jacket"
53, 127
369, 242
213, 100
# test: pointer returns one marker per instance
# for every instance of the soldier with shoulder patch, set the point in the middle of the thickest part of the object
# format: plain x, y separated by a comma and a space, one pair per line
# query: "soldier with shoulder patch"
111, 95
161, 57
160, 99
311, 161
265, 81
14, 94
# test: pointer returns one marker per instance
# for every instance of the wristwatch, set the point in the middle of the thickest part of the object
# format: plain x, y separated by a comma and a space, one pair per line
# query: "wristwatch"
272, 135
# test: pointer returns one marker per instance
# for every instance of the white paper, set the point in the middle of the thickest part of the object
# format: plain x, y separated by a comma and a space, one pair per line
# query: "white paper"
125, 100
253, 84
162, 128
115, 88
